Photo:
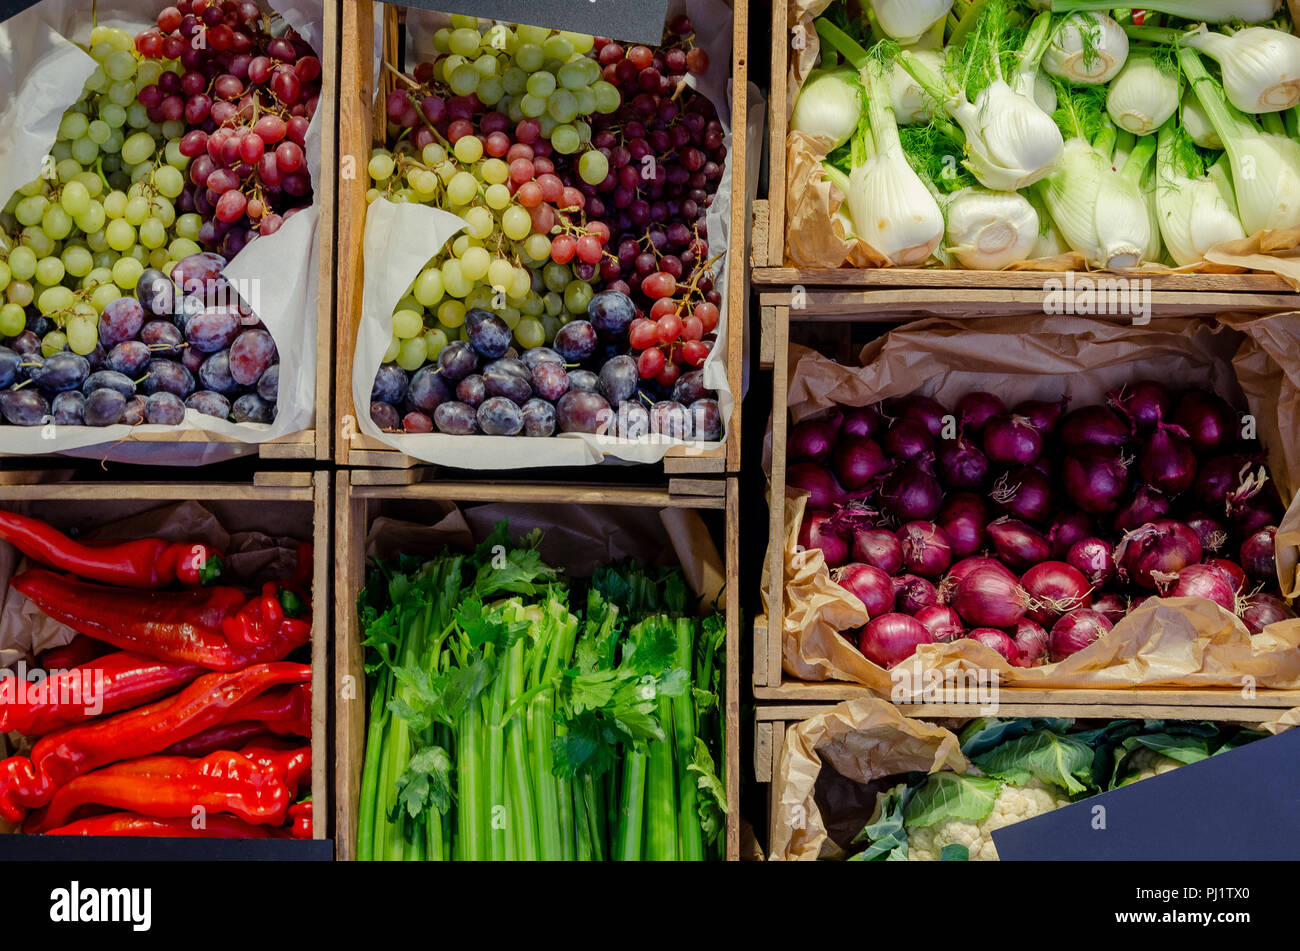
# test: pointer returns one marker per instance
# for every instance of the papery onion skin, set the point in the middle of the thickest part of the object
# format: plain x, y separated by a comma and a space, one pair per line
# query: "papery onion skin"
892, 638
1261, 610
1112, 605
869, 585
1210, 530
911, 593
1075, 631
1024, 493
1204, 581
813, 439
1163, 547
1058, 587
1230, 570
819, 532
943, 623
1145, 403
998, 641
926, 549
990, 597
1220, 476
1031, 642
878, 547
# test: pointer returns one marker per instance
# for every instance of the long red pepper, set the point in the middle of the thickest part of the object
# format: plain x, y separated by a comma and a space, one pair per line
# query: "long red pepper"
284, 710
287, 761
300, 820
105, 685
80, 650
227, 736
139, 563
172, 787
74, 751
134, 824
171, 625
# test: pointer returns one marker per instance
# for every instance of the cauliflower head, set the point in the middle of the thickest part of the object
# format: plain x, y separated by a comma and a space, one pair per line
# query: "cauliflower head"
1146, 763
1013, 804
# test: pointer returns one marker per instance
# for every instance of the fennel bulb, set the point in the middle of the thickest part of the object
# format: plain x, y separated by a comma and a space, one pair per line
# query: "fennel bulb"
1143, 96
1265, 166
829, 107
1087, 49
891, 208
1102, 213
989, 230
1044, 93
1201, 11
911, 103
1197, 124
1195, 211
1261, 67
906, 21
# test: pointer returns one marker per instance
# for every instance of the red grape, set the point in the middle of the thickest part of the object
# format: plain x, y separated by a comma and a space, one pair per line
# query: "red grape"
650, 363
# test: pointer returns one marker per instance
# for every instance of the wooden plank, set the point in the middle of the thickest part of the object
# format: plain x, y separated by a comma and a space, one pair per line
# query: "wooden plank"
792, 691
281, 479
760, 649
715, 488
700, 464
961, 279
157, 491
388, 476
350, 682
776, 493
782, 713
537, 494
355, 102
759, 238
321, 774
766, 340
763, 732
294, 451
777, 123
731, 687
737, 258
327, 231
383, 460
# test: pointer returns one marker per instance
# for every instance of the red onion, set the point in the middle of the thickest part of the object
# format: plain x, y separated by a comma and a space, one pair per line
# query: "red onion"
1018, 544
964, 567
1031, 643
1024, 493
880, 548
1259, 555
821, 531
862, 421
1220, 476
963, 516
976, 408
870, 585
1012, 440
857, 461
910, 493
1167, 461
813, 439
1095, 426
1147, 505
1208, 529
1209, 421
1261, 610
1076, 631
892, 638
1146, 403
999, 641
1057, 587
1157, 551
990, 597
944, 624
906, 439
1230, 570
1095, 479
1068, 528
1203, 581
1250, 516
912, 593
961, 465
929, 413
1043, 415
1092, 559
1113, 606
811, 477
926, 549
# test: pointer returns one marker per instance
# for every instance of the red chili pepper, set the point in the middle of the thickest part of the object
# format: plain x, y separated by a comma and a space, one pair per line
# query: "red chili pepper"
105, 685
171, 625
302, 570
300, 820
284, 710
80, 650
287, 761
134, 824
172, 787
74, 751
228, 736
139, 563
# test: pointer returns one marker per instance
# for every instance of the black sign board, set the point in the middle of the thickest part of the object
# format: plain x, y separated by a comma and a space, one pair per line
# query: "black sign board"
11, 8
636, 21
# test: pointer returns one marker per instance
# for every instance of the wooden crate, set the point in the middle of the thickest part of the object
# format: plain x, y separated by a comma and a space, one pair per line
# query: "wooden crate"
361, 495
312, 443
77, 504
768, 243
362, 125
833, 309
771, 721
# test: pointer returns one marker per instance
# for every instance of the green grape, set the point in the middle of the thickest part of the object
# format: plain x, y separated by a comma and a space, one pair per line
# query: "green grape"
565, 139
434, 341
29, 210
13, 320
163, 210
37, 239
113, 115
34, 187
153, 233
171, 130
450, 64
468, 148
514, 79
514, 110
93, 220
451, 313
516, 223
412, 354
97, 241
188, 225
82, 335
20, 293
530, 332
557, 47
586, 100
556, 276
481, 222
61, 151
454, 280
532, 106
497, 196
78, 261
547, 124
139, 252
474, 263
103, 295
462, 188
464, 80
106, 259
406, 323
532, 34
486, 65
573, 75
67, 169
120, 66
157, 258
495, 171
442, 40
111, 148
172, 153
582, 42
73, 125
115, 204
123, 94
553, 303
428, 288
138, 148
150, 71
482, 296
140, 173
98, 132
522, 282
510, 315
97, 276
541, 85
500, 273
120, 234
84, 151
394, 348
182, 248
537, 247
56, 222
424, 182
50, 271
464, 42
53, 342
93, 184
584, 131
577, 296
52, 300
126, 272
169, 181
529, 56
75, 199
490, 91
4, 275
562, 106
433, 154
96, 81
137, 210
607, 98
593, 167
381, 165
